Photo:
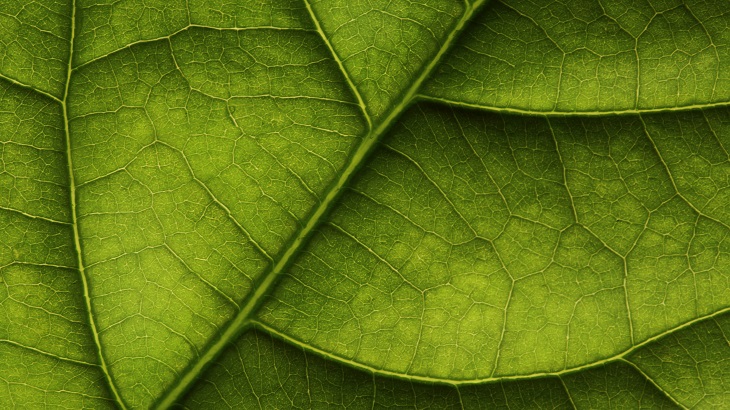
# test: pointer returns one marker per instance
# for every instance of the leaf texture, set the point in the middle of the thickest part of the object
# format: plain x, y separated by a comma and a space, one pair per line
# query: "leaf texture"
309, 204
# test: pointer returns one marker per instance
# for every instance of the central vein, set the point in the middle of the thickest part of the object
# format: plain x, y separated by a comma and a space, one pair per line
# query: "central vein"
355, 161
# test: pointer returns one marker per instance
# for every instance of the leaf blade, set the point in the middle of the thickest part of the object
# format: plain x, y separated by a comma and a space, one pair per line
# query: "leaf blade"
176, 239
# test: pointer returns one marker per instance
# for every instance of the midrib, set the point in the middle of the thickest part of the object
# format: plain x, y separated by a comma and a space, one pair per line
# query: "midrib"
74, 217
242, 320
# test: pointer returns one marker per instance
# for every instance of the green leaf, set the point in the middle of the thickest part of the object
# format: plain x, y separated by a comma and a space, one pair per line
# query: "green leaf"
361, 204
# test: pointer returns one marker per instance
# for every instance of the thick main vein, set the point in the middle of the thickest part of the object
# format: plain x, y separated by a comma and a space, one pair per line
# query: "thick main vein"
75, 219
367, 145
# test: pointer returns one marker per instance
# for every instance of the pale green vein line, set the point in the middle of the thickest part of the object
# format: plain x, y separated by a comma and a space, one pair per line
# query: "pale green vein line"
303, 184
484, 166
183, 29
605, 245
375, 392
31, 216
436, 186
718, 60
565, 170
653, 383
286, 168
459, 382
39, 29
285, 97
43, 391
714, 134
375, 254
75, 222
245, 373
37, 264
20, 144
561, 72
219, 203
505, 309
503, 332
504, 394
271, 96
722, 330
567, 392
306, 373
49, 354
461, 400
187, 12
510, 110
412, 92
30, 88
41, 308
404, 216
341, 66
368, 144
122, 254
120, 169
638, 71
673, 179
201, 278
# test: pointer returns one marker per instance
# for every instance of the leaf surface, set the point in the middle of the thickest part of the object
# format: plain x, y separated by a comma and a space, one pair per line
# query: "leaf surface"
364, 204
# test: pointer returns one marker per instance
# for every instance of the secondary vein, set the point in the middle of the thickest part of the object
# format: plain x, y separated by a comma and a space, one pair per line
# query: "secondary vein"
74, 219
619, 357
338, 60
